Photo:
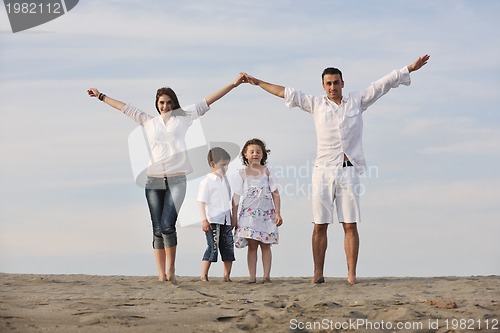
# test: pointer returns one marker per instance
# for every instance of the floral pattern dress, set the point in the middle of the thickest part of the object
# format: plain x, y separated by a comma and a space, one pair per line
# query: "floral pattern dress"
256, 218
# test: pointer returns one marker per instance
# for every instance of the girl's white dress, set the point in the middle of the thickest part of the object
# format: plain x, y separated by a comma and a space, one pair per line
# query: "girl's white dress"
256, 219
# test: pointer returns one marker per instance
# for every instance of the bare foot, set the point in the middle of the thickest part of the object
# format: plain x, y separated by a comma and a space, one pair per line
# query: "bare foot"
251, 281
172, 279
267, 280
227, 279
318, 280
162, 278
204, 278
352, 281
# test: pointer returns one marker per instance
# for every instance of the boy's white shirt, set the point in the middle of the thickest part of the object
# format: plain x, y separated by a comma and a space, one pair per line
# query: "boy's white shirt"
214, 192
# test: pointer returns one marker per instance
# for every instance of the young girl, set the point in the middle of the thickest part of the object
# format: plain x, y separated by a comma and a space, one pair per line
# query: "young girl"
259, 217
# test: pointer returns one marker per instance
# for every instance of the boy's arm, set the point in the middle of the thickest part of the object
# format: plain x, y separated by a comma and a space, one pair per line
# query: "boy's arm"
205, 225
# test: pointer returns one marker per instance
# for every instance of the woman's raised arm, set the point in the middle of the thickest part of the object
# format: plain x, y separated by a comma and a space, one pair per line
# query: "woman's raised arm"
93, 92
212, 98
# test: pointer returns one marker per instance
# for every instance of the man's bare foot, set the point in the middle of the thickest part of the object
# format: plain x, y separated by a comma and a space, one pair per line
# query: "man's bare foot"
352, 281
318, 280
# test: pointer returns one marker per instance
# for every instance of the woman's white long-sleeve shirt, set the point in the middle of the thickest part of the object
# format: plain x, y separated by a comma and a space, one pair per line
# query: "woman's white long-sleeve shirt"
166, 142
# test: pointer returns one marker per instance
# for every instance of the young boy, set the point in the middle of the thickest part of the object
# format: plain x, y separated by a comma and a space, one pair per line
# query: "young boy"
214, 199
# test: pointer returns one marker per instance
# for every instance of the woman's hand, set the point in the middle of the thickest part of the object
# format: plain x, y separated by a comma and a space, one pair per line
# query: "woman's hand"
93, 92
240, 79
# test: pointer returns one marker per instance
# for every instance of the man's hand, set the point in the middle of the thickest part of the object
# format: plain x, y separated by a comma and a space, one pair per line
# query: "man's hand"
250, 79
421, 61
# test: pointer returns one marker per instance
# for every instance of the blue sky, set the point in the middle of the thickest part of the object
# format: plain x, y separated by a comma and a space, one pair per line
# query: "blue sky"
68, 199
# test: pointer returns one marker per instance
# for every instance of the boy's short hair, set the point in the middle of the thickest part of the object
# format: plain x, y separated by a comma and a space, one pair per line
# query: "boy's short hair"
217, 154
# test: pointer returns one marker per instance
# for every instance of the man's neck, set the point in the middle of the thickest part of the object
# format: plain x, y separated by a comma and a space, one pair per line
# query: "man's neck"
337, 101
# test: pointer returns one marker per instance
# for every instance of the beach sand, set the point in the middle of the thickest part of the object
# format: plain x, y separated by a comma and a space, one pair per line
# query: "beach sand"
88, 303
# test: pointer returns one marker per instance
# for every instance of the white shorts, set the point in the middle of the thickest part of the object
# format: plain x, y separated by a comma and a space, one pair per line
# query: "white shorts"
335, 186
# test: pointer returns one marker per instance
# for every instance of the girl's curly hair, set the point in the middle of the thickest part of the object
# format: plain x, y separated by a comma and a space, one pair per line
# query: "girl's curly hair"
254, 141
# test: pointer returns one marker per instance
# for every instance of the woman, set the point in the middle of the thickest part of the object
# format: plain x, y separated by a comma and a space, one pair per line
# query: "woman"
166, 183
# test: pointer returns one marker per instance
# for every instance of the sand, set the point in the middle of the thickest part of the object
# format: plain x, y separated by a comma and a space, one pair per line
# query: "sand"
87, 303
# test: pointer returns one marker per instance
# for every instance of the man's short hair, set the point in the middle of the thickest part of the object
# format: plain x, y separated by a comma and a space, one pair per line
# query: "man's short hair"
331, 70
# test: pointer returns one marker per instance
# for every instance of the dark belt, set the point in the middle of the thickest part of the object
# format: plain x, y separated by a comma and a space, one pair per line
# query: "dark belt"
346, 164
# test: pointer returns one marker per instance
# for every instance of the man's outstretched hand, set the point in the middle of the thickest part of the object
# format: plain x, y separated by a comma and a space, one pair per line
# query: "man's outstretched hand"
421, 61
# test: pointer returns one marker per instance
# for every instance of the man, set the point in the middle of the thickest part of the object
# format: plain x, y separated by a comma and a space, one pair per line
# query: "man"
340, 159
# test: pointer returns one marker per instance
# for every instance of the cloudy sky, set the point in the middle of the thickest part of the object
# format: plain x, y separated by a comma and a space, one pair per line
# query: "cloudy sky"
69, 203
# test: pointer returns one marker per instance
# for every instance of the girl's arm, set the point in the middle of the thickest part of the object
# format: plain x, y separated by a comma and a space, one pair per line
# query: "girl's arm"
277, 207
234, 213
212, 98
93, 92
276, 197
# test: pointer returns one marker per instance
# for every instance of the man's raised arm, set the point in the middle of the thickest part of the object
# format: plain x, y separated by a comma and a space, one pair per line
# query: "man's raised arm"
274, 89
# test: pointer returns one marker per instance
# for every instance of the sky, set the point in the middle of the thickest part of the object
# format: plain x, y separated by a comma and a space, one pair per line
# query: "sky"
69, 203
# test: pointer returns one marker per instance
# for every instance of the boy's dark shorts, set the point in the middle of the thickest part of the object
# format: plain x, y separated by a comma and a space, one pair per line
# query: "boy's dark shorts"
220, 238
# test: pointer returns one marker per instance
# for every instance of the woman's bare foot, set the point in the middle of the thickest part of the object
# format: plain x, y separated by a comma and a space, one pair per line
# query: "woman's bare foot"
171, 278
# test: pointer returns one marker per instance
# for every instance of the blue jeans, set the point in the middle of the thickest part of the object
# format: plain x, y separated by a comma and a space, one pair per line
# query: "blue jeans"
165, 197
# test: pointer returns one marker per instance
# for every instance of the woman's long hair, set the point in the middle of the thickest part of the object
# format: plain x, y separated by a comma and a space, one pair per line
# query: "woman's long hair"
176, 107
